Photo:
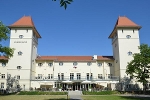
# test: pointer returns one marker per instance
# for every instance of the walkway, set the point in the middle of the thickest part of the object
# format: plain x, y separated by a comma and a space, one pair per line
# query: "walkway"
75, 95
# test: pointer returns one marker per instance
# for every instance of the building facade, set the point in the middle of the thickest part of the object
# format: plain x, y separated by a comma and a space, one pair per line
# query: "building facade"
69, 72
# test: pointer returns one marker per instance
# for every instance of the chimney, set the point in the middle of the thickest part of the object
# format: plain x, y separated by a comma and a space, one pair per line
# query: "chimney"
95, 57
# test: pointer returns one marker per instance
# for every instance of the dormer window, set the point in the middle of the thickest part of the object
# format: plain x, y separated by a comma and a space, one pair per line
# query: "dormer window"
128, 36
129, 53
133, 31
20, 36
89, 63
15, 30
19, 53
50, 64
109, 64
3, 64
61, 64
40, 64
75, 63
99, 64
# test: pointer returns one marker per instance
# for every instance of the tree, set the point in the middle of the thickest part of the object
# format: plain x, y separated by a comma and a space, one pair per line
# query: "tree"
139, 66
64, 3
4, 50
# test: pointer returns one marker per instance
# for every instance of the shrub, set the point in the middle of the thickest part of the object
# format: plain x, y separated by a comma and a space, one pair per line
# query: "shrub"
98, 93
41, 93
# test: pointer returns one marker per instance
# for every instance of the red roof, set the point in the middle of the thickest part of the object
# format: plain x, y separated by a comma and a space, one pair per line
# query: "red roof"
26, 21
123, 22
73, 58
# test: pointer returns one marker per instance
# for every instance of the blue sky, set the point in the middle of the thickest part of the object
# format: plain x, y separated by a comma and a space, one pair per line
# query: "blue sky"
82, 29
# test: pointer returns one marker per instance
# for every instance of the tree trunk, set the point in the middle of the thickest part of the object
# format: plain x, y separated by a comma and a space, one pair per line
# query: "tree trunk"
144, 88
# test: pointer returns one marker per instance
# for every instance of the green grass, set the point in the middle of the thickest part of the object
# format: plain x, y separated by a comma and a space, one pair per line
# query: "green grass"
112, 97
33, 97
64, 97
99, 93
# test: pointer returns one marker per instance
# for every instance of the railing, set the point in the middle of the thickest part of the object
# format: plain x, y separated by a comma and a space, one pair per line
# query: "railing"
112, 78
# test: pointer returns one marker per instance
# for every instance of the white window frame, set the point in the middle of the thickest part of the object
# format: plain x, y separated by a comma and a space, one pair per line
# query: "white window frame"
60, 63
3, 64
109, 64
19, 53
99, 64
2, 85
3, 76
128, 36
89, 63
18, 77
50, 64
18, 67
20, 36
129, 53
40, 64
75, 63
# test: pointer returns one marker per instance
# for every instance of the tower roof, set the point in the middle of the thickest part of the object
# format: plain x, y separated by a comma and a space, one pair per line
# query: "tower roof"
124, 22
25, 21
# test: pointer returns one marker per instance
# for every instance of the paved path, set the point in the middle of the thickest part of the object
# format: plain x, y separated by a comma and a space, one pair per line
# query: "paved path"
75, 95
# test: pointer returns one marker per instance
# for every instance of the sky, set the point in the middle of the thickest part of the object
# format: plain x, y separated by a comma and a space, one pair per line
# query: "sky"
80, 30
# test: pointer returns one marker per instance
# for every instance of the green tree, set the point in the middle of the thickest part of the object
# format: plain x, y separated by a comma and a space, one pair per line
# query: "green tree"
139, 66
4, 50
64, 3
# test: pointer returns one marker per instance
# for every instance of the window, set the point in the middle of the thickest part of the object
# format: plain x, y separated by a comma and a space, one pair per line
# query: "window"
61, 64
19, 53
78, 76
99, 64
129, 53
18, 76
122, 31
20, 36
110, 76
2, 85
3, 76
71, 76
89, 63
18, 67
62, 76
50, 76
39, 76
15, 30
128, 36
116, 61
100, 76
3, 64
50, 64
87, 76
133, 31
58, 76
40, 64
27, 30
110, 64
75, 63
91, 77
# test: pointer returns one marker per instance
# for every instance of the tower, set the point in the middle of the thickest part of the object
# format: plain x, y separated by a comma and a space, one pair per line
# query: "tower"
24, 39
125, 42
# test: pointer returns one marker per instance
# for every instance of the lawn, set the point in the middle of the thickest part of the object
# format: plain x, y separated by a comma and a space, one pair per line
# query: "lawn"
64, 97
112, 97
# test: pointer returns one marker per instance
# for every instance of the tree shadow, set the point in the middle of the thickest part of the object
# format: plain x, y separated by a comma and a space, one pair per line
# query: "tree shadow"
135, 98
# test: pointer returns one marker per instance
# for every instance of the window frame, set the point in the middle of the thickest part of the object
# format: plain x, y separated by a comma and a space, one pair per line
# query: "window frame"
75, 63
3, 64
99, 64
40, 64
19, 67
110, 64
21, 36
89, 63
128, 36
60, 63
50, 64
20, 53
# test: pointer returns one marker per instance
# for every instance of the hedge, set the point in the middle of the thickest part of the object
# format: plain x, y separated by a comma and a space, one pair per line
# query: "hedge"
41, 93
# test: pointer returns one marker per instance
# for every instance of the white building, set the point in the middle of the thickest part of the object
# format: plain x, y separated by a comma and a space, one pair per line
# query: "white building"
69, 72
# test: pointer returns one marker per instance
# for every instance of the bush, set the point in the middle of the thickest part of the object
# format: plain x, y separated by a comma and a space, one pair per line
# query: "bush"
41, 93
98, 93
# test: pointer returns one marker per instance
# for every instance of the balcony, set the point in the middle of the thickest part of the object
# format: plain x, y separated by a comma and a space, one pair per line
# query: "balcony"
75, 79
